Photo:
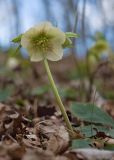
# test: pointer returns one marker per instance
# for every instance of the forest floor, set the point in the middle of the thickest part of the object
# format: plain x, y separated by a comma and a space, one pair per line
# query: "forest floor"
31, 125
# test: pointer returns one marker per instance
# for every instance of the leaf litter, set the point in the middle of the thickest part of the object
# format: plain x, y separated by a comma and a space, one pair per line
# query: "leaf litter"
31, 127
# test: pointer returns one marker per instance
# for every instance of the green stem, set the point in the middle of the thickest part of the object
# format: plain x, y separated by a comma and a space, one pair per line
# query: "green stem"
58, 99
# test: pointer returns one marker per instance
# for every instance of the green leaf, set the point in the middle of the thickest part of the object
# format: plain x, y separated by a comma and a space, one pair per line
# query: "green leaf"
67, 43
109, 147
4, 94
17, 39
40, 90
20, 102
81, 143
91, 113
71, 35
98, 48
16, 51
99, 36
91, 130
67, 93
88, 130
111, 133
3, 70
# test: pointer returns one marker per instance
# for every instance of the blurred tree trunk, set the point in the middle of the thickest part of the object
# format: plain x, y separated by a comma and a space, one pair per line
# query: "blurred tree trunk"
16, 15
47, 10
83, 21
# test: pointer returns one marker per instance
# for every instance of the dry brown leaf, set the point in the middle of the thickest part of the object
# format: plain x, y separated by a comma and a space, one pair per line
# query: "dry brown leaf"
38, 155
90, 154
109, 107
61, 158
56, 137
12, 151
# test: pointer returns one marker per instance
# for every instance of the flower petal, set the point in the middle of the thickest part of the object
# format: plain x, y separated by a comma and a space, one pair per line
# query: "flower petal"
27, 36
35, 56
56, 55
25, 41
54, 44
45, 26
57, 35
32, 32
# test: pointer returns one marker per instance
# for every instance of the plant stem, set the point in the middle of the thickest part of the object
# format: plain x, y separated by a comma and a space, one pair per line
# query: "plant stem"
58, 99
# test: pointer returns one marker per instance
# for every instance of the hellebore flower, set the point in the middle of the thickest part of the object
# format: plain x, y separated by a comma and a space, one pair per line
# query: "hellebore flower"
44, 41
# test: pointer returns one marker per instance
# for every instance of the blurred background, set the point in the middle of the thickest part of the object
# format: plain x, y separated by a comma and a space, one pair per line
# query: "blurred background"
88, 66
85, 75
84, 17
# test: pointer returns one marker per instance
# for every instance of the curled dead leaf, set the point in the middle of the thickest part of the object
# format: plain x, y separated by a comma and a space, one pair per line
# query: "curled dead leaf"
54, 136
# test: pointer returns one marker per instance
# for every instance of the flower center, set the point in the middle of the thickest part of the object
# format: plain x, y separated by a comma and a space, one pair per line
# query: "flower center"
41, 42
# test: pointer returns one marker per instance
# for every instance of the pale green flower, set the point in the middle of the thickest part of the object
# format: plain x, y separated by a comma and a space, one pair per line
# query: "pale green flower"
44, 41
12, 63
